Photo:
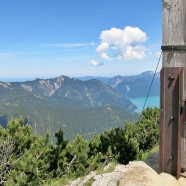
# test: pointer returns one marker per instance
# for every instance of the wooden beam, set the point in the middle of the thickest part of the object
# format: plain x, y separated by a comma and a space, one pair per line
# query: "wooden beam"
174, 33
171, 120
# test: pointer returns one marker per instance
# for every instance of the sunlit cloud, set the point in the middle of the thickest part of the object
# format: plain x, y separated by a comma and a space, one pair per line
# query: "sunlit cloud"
96, 63
126, 44
102, 47
104, 55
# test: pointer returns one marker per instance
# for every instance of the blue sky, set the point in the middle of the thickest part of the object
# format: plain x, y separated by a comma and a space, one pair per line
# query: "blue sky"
48, 38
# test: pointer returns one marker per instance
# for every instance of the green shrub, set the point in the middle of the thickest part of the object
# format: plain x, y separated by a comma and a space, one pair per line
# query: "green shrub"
29, 159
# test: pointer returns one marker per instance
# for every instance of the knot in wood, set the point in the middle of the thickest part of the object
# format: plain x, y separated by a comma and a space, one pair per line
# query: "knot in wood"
167, 4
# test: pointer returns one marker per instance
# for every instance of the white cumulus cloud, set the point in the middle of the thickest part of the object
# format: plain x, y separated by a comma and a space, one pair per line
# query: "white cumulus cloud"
96, 63
123, 44
104, 55
102, 47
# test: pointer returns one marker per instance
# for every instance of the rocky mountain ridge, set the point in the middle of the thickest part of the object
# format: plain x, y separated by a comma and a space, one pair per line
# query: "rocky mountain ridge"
68, 91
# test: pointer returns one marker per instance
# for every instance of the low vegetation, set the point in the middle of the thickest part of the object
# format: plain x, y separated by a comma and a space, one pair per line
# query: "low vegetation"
29, 159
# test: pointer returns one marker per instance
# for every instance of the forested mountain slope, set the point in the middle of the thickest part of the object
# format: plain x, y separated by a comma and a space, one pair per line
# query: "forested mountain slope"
76, 106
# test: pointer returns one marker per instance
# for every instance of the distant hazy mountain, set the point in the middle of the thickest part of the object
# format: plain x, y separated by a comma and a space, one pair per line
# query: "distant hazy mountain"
86, 78
134, 86
75, 106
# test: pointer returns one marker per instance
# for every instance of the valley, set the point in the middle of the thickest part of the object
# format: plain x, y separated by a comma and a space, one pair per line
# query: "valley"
77, 106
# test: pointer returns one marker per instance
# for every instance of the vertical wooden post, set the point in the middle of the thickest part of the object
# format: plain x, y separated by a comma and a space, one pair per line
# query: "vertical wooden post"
171, 120
174, 36
174, 33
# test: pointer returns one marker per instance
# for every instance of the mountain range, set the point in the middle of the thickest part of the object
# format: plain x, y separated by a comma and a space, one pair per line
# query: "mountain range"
74, 105
66, 91
133, 86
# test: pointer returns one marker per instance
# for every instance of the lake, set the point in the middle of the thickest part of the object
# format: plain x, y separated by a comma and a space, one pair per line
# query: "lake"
151, 102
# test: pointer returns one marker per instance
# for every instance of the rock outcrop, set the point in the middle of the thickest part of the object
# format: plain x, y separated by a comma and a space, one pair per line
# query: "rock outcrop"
136, 173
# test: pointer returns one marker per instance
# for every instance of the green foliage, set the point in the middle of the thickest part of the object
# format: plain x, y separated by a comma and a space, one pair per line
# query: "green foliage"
115, 143
27, 163
145, 154
29, 159
57, 154
56, 182
108, 168
89, 182
146, 130
118, 183
77, 154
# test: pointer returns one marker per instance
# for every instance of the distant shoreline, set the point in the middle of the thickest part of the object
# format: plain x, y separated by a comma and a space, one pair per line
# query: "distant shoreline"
153, 101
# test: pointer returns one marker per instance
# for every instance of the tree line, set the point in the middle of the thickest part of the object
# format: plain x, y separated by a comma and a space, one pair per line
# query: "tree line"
30, 159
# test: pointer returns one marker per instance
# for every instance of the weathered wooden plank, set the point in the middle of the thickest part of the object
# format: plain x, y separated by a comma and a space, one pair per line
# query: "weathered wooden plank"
180, 122
174, 22
174, 33
171, 120
162, 122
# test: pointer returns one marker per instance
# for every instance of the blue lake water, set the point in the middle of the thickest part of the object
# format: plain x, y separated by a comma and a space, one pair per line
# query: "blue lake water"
151, 102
